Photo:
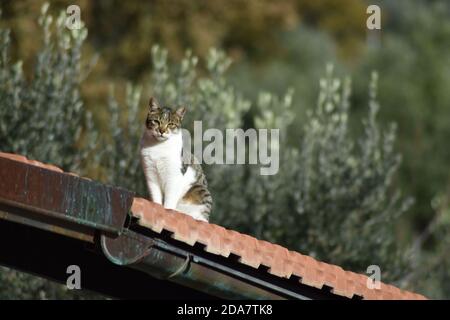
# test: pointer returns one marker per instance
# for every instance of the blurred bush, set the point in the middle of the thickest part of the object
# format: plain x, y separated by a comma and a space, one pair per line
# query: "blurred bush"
49, 107
124, 31
43, 118
412, 58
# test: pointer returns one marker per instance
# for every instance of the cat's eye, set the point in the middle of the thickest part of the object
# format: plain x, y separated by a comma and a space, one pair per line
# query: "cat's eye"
172, 126
154, 122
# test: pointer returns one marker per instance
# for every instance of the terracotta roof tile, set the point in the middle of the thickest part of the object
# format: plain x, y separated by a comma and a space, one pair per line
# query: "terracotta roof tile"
253, 252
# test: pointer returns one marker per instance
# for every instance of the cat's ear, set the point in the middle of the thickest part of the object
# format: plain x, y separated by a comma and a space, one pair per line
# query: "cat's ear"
180, 112
153, 104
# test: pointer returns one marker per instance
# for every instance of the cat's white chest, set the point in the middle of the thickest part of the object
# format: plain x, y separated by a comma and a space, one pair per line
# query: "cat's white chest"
163, 160
159, 158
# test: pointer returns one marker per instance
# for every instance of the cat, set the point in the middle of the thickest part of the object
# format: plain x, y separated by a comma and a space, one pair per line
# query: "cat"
171, 180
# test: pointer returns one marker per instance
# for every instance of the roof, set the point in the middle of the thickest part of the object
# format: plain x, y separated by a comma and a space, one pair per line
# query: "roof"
262, 256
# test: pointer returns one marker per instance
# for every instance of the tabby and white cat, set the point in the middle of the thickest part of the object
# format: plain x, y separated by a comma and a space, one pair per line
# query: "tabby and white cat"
171, 182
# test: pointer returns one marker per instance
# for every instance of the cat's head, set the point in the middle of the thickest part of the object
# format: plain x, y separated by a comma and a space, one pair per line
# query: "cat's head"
163, 122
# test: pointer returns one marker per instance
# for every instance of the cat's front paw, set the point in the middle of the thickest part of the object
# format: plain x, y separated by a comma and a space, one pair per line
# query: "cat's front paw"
169, 206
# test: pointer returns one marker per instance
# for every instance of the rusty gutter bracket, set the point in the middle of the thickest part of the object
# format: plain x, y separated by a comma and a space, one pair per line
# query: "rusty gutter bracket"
183, 268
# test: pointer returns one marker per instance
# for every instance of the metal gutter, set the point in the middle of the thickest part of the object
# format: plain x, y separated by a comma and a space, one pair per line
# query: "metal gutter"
167, 262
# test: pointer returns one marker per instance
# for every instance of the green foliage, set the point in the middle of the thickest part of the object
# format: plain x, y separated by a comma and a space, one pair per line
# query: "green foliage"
414, 67
348, 183
412, 58
43, 119
126, 30
415, 70
17, 285
430, 270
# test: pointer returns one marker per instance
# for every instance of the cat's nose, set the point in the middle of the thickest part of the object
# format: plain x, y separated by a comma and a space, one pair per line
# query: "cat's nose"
161, 130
